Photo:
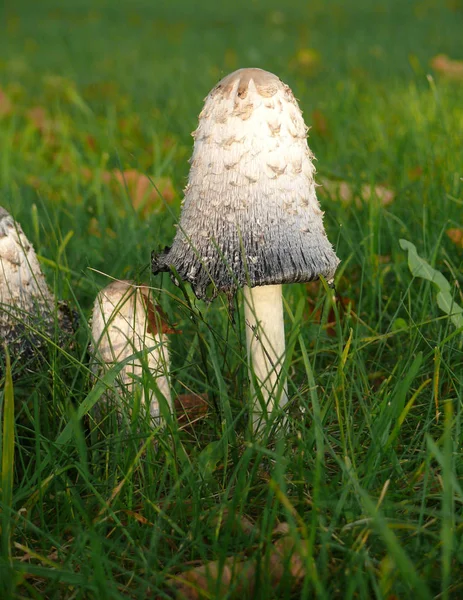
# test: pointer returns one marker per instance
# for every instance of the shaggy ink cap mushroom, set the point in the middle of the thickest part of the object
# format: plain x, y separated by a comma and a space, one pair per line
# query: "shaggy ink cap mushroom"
250, 215
126, 322
28, 309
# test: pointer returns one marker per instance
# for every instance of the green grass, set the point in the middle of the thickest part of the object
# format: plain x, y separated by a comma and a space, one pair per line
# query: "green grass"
368, 476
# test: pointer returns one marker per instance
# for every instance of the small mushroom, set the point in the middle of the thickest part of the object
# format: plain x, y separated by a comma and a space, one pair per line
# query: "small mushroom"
28, 309
126, 322
250, 217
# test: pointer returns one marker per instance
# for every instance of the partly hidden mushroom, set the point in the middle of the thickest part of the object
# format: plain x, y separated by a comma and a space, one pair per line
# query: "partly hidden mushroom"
250, 216
127, 326
29, 313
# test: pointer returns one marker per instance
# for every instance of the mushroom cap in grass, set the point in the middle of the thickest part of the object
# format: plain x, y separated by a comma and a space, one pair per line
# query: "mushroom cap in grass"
125, 321
250, 215
28, 309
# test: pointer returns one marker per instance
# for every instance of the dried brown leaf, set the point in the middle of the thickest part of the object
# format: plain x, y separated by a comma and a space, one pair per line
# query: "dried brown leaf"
281, 529
147, 194
453, 69
189, 407
383, 259
157, 318
138, 517
456, 235
44, 124
216, 579
200, 582
285, 550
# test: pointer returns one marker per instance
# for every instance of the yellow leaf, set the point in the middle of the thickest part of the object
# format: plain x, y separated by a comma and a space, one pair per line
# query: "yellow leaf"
308, 57
307, 61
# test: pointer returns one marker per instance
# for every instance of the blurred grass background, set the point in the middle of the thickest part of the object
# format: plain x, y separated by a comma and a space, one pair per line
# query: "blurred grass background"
368, 476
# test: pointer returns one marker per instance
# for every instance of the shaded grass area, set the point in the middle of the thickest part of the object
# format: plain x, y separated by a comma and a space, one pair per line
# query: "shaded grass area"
368, 475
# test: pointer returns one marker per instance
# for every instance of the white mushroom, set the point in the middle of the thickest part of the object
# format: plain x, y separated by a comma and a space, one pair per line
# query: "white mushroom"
126, 322
250, 216
27, 306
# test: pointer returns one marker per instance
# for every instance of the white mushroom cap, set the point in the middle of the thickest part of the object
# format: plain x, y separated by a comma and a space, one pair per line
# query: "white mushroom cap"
250, 214
27, 306
125, 321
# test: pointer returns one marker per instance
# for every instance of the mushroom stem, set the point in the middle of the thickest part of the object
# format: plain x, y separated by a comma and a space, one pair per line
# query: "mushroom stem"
265, 342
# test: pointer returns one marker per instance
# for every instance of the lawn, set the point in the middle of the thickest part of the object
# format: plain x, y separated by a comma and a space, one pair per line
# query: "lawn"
363, 486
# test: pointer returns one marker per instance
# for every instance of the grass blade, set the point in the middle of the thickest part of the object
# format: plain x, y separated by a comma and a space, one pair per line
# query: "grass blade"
7, 458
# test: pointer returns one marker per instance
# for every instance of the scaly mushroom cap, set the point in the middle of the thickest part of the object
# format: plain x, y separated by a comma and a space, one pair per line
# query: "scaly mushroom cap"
27, 306
250, 214
125, 321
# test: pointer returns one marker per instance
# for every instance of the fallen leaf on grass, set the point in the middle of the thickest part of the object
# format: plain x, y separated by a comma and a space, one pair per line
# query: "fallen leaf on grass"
38, 116
191, 407
281, 529
41, 120
236, 577
383, 259
453, 69
307, 61
347, 193
147, 194
138, 517
456, 235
